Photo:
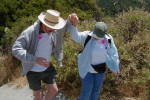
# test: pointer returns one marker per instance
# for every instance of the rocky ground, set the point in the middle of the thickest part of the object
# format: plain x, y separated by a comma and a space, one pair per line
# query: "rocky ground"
12, 92
18, 91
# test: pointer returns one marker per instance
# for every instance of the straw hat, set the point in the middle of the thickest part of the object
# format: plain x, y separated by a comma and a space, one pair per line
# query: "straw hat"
100, 30
52, 19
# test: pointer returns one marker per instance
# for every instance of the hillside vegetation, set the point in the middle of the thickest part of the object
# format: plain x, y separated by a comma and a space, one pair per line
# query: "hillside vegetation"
131, 35
129, 24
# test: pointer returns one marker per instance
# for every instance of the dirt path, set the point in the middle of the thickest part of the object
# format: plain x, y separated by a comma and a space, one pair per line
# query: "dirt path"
19, 90
12, 92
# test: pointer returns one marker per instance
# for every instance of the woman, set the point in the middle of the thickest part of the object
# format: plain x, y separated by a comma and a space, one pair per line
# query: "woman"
99, 51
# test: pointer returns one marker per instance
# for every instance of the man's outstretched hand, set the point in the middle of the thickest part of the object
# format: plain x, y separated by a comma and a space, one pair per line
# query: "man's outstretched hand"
73, 18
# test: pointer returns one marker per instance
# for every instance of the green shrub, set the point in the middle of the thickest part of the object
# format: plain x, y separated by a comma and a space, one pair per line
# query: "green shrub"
12, 33
131, 35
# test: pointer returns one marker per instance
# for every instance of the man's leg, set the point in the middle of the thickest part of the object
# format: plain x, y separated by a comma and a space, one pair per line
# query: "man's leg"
49, 77
52, 91
35, 84
38, 95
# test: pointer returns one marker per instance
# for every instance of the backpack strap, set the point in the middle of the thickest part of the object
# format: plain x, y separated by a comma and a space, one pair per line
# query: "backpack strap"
86, 41
109, 40
89, 37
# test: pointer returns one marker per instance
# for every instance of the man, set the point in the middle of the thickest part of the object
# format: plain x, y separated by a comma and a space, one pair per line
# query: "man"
35, 46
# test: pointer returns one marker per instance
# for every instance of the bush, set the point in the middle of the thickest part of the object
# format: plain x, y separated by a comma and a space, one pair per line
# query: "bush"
131, 35
12, 33
9, 69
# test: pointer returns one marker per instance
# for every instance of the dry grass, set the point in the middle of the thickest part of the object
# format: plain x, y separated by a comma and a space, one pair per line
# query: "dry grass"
9, 69
19, 82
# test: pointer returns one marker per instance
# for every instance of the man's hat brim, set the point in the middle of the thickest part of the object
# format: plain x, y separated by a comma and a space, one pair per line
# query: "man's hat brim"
61, 23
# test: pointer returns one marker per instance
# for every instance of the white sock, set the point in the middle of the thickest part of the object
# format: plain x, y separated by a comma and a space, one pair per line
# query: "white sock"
43, 98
